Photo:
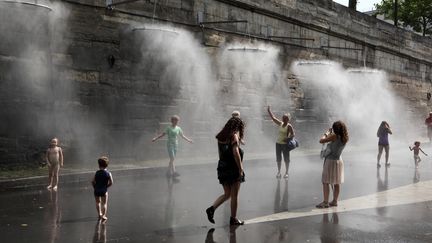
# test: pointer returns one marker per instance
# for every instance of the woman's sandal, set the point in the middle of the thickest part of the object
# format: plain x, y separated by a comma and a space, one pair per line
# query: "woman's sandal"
210, 214
235, 221
333, 204
323, 205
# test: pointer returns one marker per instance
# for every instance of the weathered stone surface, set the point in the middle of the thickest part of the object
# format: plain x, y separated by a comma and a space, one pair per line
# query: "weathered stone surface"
95, 107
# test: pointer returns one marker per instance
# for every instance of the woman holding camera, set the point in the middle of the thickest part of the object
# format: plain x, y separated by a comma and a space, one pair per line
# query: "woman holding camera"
333, 168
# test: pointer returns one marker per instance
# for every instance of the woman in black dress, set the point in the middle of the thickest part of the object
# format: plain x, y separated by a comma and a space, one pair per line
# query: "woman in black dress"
230, 167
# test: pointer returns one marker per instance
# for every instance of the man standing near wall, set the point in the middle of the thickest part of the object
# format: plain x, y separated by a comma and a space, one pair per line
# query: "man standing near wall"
428, 123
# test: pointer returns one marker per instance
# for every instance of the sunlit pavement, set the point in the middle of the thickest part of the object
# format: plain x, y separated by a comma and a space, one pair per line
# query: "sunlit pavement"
382, 205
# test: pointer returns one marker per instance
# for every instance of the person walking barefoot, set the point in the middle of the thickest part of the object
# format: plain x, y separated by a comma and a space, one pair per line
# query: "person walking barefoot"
54, 157
172, 132
101, 181
383, 142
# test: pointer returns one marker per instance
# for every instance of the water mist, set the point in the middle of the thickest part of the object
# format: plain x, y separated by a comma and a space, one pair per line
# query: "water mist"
362, 98
251, 78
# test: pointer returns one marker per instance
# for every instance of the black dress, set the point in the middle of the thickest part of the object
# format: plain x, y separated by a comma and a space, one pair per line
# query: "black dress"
228, 171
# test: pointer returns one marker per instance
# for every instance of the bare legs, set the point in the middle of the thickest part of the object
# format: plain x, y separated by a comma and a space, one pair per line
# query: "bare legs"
171, 166
230, 191
234, 199
98, 206
326, 194
102, 206
386, 148
222, 198
53, 171
336, 191
172, 151
416, 161
380, 150
279, 165
286, 168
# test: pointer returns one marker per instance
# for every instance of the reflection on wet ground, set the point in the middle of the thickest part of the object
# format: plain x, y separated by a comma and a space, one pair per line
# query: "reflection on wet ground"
154, 208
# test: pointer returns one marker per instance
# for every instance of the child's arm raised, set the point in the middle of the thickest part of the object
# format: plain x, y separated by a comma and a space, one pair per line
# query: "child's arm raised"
159, 136
411, 149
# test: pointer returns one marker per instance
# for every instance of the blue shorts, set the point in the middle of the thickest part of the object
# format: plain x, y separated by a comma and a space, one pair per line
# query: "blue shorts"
100, 192
172, 150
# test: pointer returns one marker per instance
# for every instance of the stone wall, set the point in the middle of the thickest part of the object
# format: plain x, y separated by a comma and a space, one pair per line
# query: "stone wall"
101, 96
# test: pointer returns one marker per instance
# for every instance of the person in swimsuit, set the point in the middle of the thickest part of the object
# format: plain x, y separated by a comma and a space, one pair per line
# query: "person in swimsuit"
230, 168
285, 133
54, 158
383, 142
101, 181
172, 132
417, 151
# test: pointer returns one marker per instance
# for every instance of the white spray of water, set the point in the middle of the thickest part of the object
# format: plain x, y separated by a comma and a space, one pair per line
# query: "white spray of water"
249, 74
362, 98
180, 66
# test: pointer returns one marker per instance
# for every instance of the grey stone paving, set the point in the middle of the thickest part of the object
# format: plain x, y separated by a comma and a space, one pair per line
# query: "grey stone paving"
153, 208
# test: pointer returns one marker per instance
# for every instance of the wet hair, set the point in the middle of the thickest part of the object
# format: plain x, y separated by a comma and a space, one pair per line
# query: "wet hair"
382, 128
103, 162
287, 115
233, 125
52, 140
340, 129
175, 117
417, 143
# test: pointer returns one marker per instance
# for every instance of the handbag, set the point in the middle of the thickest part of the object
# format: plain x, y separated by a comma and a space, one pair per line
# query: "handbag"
292, 144
325, 151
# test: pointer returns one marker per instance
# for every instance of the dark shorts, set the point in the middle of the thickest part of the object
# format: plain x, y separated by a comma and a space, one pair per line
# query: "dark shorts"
228, 173
100, 193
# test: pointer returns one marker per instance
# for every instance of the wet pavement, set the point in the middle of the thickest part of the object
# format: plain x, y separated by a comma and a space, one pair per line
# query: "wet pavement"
154, 208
